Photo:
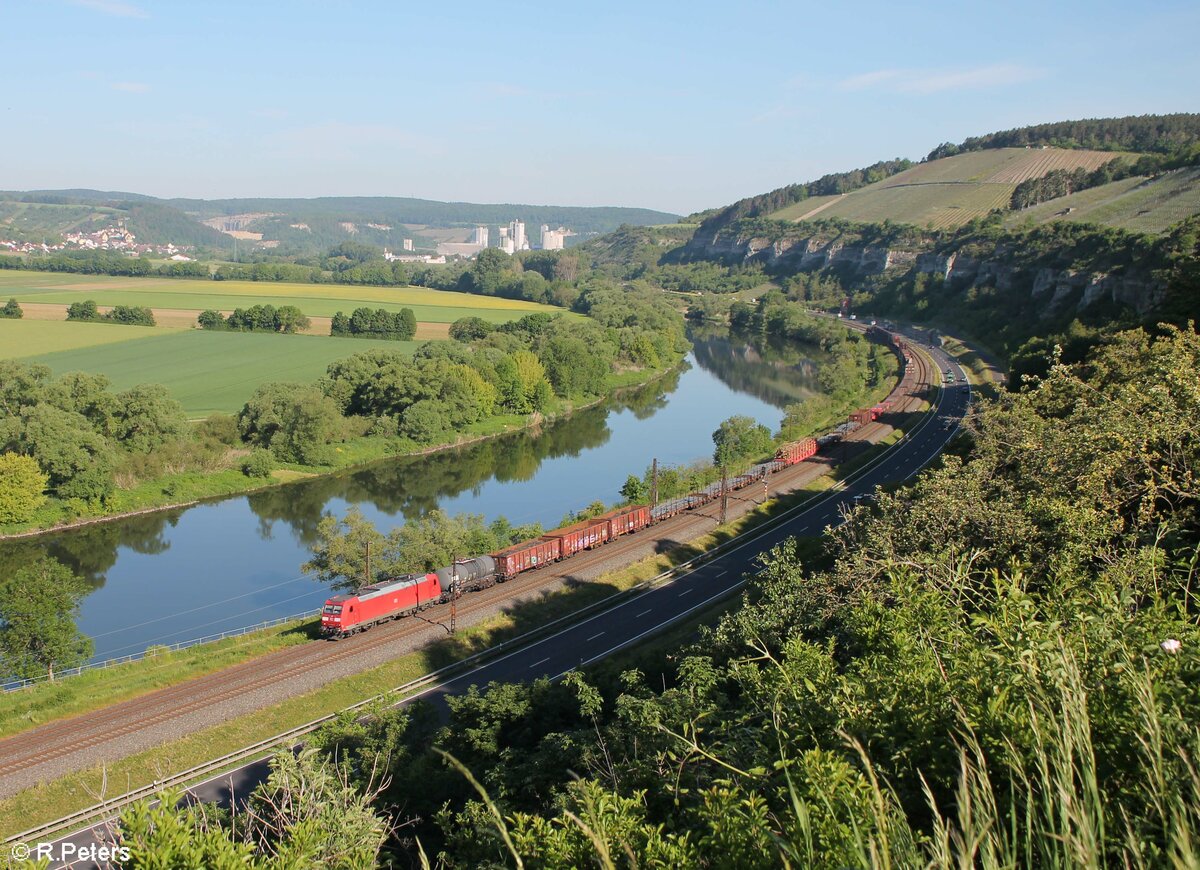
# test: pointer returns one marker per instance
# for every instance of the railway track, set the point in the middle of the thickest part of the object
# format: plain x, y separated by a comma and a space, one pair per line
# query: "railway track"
58, 741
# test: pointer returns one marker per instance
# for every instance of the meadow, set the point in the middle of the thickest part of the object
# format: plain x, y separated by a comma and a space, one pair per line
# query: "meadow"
23, 338
315, 300
207, 372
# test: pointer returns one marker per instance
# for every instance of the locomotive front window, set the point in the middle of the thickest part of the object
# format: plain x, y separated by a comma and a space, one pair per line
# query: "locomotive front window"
333, 608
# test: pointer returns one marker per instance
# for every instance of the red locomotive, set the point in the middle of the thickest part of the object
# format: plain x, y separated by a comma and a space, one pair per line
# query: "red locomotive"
344, 615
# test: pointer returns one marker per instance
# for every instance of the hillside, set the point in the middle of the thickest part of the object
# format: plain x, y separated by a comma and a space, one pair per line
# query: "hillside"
37, 217
948, 192
297, 225
1140, 203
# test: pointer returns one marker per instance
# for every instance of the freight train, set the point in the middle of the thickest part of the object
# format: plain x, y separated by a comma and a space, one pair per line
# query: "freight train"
395, 597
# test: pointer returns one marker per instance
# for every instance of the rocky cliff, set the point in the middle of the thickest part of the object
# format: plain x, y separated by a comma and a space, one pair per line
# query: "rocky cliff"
1052, 285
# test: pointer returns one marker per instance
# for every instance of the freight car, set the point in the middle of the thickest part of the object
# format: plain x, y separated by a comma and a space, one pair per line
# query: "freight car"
626, 520
471, 575
580, 536
526, 556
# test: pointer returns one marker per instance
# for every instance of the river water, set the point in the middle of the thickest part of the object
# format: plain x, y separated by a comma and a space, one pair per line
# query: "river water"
178, 575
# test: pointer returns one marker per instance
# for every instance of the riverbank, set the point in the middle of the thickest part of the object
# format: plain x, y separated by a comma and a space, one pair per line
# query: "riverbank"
187, 489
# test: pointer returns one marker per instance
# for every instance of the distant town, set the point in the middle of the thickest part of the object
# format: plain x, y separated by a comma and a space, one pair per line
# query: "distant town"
113, 238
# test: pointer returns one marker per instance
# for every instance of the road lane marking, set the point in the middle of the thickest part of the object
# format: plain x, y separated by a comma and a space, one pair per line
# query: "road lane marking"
685, 592
643, 613
542, 662
721, 573
594, 636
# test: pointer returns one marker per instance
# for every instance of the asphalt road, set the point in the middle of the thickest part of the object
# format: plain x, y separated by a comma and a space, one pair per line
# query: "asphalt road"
639, 616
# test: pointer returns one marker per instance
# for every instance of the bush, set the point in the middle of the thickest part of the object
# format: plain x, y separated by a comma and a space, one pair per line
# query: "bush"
260, 463
22, 487
85, 310
12, 310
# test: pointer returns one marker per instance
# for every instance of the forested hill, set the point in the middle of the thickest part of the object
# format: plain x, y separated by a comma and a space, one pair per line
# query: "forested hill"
1159, 134
300, 224
406, 210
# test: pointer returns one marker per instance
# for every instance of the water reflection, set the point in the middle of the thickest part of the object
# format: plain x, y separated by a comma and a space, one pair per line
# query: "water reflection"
173, 576
774, 371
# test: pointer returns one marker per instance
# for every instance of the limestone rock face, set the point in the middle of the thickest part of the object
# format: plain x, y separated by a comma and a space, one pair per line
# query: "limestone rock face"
1048, 288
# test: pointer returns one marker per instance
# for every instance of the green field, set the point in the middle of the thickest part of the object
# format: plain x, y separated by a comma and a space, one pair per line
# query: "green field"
206, 371
946, 193
1140, 204
316, 300
22, 338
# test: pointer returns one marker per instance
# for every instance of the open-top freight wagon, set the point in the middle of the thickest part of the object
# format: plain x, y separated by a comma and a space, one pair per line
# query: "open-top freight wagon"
580, 536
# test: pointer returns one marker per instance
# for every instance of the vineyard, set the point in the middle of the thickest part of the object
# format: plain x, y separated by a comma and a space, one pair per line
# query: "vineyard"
1139, 204
941, 206
946, 193
1034, 163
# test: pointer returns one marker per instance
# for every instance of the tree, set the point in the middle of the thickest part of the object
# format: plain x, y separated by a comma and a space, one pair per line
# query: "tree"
635, 490
340, 553
38, 607
469, 329
488, 271
21, 385
22, 487
147, 417
79, 461
85, 310
294, 421
12, 310
738, 438
85, 394
290, 319
211, 319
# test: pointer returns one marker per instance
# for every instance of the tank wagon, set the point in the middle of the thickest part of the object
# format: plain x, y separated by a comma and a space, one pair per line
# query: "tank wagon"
392, 598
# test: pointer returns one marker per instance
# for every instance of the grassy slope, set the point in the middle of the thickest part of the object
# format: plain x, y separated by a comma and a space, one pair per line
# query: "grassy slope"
318, 300
25, 338
949, 192
209, 371
1140, 204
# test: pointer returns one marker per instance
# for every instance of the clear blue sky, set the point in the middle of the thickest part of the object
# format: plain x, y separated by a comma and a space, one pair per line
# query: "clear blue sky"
677, 106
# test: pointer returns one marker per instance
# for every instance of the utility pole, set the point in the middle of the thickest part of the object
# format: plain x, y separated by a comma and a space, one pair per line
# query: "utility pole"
654, 483
454, 598
368, 569
724, 495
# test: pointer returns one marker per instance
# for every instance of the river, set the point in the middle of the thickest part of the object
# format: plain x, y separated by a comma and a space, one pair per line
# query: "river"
177, 575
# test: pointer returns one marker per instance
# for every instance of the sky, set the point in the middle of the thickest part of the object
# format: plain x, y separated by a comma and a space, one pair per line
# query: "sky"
672, 106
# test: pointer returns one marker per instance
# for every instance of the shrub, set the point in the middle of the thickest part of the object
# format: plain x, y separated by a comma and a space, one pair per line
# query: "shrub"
12, 310
260, 463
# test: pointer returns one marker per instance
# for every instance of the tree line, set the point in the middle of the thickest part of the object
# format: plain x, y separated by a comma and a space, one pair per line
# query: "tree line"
287, 319
1162, 134
130, 315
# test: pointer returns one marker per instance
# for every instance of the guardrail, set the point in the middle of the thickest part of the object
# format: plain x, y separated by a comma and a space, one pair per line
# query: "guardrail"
16, 683
258, 751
